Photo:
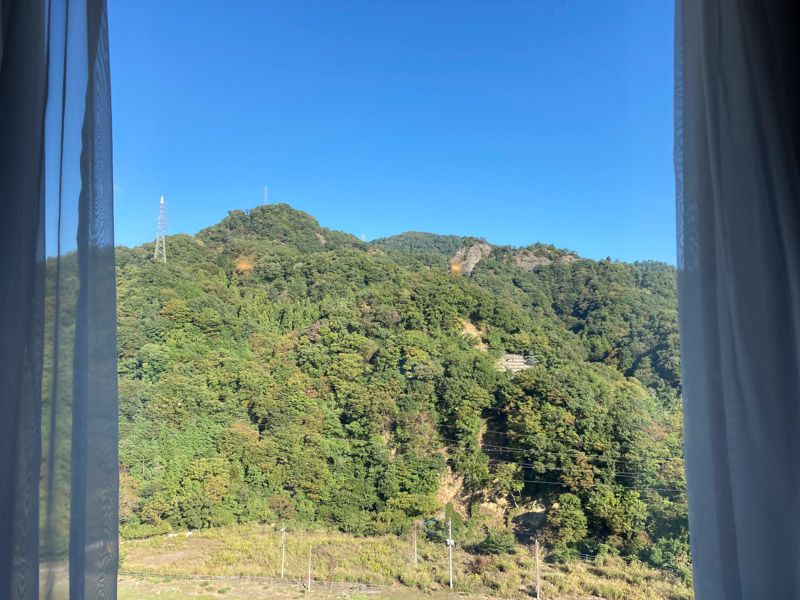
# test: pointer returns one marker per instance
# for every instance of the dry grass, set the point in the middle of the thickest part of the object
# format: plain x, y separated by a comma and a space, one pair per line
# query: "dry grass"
133, 588
255, 550
616, 580
244, 265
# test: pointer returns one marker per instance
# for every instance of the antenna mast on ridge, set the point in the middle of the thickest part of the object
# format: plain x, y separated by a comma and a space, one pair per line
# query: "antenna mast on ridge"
266, 191
161, 243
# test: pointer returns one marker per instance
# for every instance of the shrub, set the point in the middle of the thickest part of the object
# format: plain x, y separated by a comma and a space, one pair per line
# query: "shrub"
566, 525
498, 541
685, 573
133, 530
669, 552
477, 564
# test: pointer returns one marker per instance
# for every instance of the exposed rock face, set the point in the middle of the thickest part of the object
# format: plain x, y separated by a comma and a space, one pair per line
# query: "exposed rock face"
321, 237
528, 261
471, 331
466, 259
451, 489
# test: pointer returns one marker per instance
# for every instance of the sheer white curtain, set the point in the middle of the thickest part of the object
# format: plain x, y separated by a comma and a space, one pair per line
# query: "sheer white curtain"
738, 201
58, 386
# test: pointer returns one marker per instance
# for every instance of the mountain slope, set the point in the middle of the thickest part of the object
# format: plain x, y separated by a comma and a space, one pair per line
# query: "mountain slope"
274, 369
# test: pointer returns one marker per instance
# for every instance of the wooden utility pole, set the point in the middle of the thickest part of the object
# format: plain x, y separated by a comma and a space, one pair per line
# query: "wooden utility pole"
538, 582
283, 547
450, 543
309, 567
414, 529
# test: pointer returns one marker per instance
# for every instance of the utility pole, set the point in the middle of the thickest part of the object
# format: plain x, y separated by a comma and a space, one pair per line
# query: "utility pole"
161, 243
450, 543
283, 547
414, 529
309, 567
538, 582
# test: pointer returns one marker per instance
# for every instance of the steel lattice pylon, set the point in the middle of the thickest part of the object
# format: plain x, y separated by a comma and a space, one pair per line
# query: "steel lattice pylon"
161, 243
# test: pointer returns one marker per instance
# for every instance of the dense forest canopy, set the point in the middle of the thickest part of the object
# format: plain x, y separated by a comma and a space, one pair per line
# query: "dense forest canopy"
275, 370
418, 242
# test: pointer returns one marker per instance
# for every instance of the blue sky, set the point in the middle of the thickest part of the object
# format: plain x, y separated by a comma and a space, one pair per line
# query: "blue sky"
519, 121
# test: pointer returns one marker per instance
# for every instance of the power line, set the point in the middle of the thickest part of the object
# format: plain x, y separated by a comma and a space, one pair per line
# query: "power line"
624, 487
593, 485
596, 473
489, 448
594, 469
495, 448
610, 446
587, 469
600, 473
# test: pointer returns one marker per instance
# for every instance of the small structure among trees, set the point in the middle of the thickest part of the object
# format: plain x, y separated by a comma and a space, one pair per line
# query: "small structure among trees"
516, 362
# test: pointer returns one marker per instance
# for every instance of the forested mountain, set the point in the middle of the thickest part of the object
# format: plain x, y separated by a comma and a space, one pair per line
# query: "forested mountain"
276, 370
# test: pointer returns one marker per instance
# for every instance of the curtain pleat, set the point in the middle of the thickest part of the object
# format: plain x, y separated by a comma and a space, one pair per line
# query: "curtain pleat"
22, 106
58, 382
738, 221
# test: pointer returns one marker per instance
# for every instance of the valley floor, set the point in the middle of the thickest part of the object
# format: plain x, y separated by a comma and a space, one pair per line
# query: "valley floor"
384, 562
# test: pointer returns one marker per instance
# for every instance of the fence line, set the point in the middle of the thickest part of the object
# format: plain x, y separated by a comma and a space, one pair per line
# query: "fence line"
354, 585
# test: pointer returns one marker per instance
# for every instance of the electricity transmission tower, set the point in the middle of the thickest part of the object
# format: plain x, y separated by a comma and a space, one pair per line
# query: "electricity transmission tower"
161, 243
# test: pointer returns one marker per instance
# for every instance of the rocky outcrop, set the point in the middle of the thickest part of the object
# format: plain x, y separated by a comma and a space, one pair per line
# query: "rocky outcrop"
528, 261
475, 335
466, 259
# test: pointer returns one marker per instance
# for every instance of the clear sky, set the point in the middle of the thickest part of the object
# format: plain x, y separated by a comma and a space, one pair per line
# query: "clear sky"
519, 121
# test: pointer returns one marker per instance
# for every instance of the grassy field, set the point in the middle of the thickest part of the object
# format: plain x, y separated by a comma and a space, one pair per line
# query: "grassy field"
140, 588
254, 550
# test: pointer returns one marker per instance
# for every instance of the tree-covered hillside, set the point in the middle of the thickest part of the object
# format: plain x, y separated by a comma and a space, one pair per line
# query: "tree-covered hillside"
418, 242
276, 370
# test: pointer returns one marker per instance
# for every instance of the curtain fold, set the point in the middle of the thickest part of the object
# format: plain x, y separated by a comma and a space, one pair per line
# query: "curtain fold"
737, 105
58, 382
